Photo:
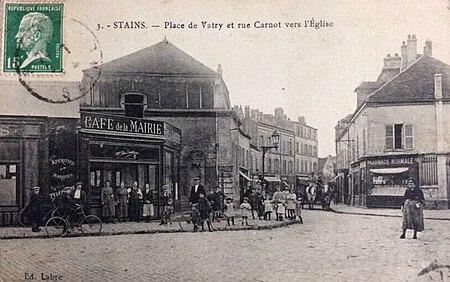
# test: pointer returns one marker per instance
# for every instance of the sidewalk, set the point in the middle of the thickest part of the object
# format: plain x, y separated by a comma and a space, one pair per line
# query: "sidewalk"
428, 214
13, 232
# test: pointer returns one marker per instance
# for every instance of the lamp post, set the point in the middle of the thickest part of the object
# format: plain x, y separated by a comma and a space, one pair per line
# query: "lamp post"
275, 141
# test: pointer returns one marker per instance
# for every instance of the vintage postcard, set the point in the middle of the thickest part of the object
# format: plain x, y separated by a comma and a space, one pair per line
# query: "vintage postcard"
237, 140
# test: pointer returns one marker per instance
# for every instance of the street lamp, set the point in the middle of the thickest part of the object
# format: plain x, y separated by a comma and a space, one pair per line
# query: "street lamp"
275, 141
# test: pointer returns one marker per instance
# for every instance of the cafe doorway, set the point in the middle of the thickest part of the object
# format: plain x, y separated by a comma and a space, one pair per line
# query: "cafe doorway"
126, 172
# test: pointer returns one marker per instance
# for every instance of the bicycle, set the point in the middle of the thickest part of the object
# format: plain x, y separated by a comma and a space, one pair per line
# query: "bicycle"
186, 222
58, 226
23, 218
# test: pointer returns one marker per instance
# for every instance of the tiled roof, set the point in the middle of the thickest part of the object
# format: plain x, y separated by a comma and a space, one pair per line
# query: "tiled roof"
414, 84
161, 58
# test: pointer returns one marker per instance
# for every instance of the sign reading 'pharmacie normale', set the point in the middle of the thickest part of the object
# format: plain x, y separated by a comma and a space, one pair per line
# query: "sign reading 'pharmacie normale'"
121, 124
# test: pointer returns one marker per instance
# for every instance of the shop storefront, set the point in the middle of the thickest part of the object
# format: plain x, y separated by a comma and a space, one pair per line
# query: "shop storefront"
382, 181
22, 154
124, 149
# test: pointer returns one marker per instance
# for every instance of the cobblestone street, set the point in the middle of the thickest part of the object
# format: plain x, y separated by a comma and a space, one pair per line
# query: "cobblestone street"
325, 248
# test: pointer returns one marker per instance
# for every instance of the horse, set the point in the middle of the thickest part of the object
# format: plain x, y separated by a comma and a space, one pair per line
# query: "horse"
311, 193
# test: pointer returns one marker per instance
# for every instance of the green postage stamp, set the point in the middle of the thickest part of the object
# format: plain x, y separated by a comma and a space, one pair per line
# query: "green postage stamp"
32, 37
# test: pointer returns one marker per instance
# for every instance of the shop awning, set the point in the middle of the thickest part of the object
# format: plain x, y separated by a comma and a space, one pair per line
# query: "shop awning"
397, 191
245, 176
272, 179
391, 170
336, 177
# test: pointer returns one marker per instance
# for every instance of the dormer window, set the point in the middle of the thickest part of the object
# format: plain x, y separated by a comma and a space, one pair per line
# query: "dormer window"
134, 104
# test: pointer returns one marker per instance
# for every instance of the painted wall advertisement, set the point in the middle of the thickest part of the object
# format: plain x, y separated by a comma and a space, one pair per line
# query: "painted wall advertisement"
62, 158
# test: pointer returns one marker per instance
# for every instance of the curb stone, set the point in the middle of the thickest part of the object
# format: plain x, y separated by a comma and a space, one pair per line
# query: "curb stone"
384, 215
116, 233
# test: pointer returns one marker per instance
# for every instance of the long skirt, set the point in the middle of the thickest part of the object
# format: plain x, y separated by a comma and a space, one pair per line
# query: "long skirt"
148, 210
122, 209
412, 216
109, 208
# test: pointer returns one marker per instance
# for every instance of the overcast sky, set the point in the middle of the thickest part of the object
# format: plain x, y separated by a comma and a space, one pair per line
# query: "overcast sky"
309, 72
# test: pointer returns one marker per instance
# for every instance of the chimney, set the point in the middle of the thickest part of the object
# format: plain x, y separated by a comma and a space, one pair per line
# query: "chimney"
391, 62
219, 69
412, 49
301, 119
254, 114
427, 49
279, 112
438, 86
247, 111
404, 58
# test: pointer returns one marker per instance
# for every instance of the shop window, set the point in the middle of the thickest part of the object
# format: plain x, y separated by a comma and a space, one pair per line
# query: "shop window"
169, 169
8, 185
118, 178
399, 136
9, 150
100, 151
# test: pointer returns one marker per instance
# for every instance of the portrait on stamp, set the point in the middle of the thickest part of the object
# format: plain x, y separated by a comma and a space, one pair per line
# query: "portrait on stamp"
33, 37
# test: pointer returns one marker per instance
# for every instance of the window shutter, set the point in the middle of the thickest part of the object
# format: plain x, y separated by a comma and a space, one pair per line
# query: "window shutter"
409, 136
389, 137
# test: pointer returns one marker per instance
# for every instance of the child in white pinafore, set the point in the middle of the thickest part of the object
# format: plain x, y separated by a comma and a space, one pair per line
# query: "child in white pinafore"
246, 210
281, 210
268, 208
229, 211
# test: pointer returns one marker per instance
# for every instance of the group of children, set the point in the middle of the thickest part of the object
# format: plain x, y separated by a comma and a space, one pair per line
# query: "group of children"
284, 206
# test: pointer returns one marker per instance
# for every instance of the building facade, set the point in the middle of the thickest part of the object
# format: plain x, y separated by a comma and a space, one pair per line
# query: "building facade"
398, 131
297, 153
156, 116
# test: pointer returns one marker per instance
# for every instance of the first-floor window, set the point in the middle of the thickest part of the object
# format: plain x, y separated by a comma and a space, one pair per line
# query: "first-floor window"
399, 136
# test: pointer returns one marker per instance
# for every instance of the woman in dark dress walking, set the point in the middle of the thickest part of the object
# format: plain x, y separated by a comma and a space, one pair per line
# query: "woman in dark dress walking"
413, 209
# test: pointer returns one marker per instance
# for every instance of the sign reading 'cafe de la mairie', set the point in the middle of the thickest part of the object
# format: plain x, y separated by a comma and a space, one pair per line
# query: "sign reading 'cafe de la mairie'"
121, 124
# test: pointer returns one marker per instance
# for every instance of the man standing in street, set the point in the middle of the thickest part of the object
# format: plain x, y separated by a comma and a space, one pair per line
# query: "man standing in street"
34, 209
196, 190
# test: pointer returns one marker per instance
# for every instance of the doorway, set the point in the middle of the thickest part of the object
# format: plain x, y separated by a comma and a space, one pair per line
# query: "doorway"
122, 172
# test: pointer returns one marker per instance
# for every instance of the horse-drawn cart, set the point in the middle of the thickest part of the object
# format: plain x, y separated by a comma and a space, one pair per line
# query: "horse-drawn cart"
316, 194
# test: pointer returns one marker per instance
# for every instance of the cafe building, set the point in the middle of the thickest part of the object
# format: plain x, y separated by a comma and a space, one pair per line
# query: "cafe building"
126, 149
156, 116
